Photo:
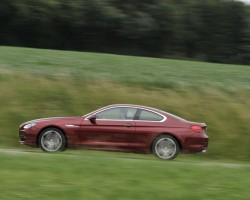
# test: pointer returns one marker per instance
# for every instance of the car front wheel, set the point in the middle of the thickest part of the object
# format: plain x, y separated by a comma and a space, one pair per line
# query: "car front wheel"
166, 147
52, 140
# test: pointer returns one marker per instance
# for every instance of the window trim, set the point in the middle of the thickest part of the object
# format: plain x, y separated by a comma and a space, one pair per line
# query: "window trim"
139, 109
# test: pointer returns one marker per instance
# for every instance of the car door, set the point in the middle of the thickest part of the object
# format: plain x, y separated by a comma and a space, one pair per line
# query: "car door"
148, 125
112, 127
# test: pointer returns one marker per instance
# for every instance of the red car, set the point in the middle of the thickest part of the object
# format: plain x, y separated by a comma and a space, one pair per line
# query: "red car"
120, 127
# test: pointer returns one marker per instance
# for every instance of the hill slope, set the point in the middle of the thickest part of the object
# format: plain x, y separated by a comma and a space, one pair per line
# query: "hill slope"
38, 83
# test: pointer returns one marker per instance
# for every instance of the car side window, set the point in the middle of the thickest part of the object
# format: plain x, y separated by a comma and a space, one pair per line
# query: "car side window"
149, 116
121, 113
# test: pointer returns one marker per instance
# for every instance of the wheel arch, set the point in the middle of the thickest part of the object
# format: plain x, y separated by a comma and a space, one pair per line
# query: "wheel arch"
52, 126
166, 133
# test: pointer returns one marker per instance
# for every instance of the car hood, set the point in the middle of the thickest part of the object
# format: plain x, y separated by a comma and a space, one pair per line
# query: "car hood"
51, 119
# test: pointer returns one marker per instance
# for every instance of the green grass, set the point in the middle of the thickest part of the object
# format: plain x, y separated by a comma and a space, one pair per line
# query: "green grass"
38, 83
146, 72
87, 175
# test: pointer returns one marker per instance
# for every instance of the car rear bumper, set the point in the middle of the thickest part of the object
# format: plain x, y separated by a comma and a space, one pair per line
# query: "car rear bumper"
196, 144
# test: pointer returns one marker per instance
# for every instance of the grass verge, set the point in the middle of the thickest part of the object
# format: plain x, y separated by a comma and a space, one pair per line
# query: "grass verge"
89, 176
29, 97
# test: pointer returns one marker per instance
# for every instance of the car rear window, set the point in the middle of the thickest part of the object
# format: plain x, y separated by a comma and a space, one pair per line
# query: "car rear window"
149, 116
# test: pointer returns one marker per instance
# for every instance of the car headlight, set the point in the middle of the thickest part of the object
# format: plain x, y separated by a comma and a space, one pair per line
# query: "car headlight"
29, 125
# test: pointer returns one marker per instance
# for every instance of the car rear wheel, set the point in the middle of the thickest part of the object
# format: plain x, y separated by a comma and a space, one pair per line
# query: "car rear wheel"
166, 147
52, 140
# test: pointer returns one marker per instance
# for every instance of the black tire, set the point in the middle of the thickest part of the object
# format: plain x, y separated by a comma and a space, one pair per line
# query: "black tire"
52, 140
165, 147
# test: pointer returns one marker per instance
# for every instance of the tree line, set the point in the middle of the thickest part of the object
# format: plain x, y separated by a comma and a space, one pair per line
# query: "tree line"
211, 30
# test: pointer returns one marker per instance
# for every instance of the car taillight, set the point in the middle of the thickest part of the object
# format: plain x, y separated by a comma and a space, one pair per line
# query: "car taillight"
197, 129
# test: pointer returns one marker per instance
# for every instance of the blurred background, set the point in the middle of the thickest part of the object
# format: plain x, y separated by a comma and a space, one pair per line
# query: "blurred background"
169, 47
66, 58
209, 30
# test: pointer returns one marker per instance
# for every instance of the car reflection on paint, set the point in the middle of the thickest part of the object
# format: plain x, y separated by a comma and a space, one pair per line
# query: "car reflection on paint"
122, 127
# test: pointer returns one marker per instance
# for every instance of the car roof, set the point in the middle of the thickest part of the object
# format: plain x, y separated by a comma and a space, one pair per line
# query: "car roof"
134, 105
147, 107
167, 114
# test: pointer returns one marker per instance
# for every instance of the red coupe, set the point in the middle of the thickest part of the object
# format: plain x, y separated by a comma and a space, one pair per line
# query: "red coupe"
130, 128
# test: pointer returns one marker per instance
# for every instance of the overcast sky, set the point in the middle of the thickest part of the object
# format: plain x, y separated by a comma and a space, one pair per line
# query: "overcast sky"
246, 1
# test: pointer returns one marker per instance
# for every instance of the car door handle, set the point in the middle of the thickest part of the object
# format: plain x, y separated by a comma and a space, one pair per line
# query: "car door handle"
128, 125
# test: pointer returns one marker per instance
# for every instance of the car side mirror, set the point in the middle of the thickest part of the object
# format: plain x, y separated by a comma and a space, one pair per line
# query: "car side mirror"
92, 119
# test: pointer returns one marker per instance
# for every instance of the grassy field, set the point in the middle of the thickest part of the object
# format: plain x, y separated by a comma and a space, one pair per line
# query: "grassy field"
146, 72
97, 175
38, 83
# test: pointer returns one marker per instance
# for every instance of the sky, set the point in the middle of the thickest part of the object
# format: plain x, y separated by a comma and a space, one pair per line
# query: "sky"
245, 1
